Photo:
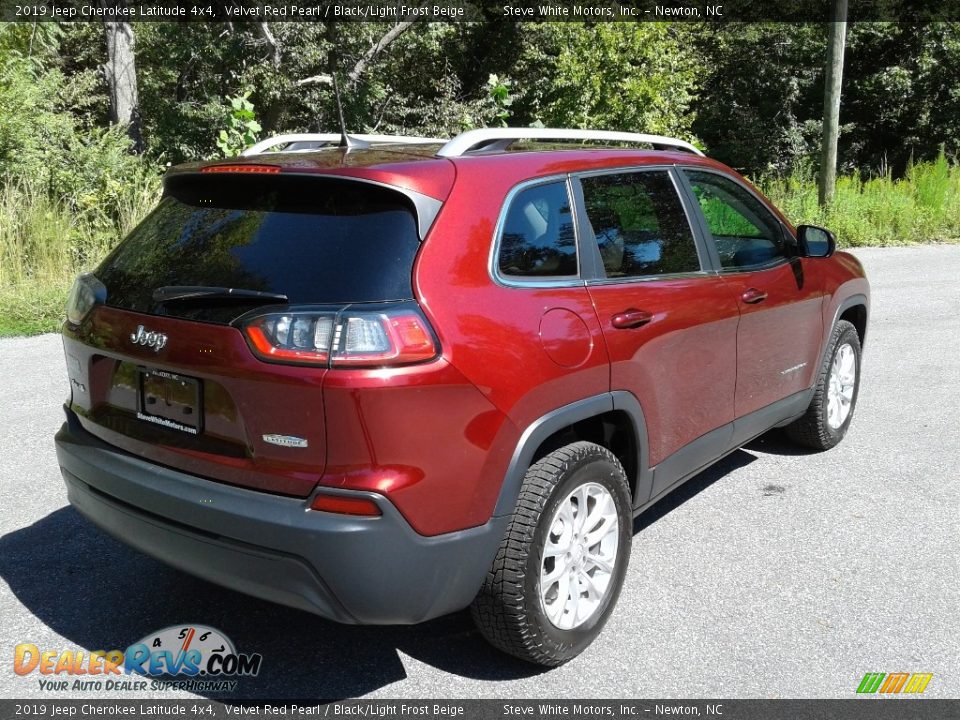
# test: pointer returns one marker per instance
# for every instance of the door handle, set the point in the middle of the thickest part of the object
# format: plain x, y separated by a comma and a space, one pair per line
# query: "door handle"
631, 319
752, 296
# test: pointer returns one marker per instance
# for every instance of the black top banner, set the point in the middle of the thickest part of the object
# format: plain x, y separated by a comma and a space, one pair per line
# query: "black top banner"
793, 11
201, 708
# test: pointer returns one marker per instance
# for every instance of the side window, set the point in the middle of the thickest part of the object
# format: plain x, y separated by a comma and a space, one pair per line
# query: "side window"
746, 234
639, 224
537, 238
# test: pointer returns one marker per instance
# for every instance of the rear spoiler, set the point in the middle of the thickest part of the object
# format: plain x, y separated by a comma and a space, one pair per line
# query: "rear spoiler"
426, 207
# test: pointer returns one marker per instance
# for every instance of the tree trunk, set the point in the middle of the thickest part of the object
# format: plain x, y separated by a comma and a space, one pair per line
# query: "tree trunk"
121, 73
831, 102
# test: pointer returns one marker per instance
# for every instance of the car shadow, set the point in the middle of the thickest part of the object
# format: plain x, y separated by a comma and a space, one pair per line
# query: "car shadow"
776, 442
692, 487
101, 595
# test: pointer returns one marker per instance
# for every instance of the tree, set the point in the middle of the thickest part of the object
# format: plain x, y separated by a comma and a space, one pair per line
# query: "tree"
618, 76
900, 93
120, 71
758, 108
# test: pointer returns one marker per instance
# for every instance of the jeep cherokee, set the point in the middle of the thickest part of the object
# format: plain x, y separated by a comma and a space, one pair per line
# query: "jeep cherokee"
388, 381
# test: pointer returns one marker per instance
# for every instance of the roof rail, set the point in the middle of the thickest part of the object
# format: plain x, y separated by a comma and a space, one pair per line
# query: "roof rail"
330, 139
501, 138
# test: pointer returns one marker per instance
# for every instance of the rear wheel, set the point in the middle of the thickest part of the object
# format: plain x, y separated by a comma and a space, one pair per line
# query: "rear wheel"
835, 397
560, 567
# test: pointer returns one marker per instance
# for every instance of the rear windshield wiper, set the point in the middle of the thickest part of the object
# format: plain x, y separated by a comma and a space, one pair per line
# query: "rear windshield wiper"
169, 293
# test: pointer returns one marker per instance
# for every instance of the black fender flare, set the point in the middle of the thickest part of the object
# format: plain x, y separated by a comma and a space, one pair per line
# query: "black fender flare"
846, 304
545, 426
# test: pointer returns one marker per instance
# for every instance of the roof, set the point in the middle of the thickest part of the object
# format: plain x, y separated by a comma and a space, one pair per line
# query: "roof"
420, 169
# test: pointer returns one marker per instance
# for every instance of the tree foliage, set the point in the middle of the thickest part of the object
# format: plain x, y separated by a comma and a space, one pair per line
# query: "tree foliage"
616, 76
760, 105
241, 126
750, 94
50, 136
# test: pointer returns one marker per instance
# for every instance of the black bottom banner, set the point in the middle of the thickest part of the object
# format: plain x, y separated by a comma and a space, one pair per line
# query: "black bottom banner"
855, 709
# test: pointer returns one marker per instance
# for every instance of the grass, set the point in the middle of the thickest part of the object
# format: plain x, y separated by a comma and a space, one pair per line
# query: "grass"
921, 207
32, 309
45, 243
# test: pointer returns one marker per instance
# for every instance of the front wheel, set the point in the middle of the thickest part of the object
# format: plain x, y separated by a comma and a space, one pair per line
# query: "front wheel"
560, 567
835, 395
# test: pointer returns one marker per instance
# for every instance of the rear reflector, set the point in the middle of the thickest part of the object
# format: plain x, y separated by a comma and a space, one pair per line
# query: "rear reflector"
252, 169
345, 505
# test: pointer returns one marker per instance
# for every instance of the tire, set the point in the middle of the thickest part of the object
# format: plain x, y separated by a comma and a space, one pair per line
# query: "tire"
826, 422
509, 610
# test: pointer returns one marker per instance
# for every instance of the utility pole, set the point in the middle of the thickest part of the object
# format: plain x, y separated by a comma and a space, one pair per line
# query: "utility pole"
831, 101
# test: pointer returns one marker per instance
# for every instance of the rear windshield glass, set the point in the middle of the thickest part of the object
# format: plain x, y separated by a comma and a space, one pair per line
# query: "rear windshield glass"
314, 240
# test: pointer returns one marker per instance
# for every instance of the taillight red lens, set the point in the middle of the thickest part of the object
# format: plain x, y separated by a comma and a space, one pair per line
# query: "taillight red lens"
392, 336
345, 505
295, 337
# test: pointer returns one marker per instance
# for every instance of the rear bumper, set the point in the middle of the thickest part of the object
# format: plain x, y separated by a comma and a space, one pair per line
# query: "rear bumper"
349, 569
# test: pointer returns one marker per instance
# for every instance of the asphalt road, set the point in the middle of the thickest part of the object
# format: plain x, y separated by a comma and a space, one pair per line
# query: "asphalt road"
774, 574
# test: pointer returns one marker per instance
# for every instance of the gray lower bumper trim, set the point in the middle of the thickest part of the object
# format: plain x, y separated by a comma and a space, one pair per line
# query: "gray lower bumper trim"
348, 569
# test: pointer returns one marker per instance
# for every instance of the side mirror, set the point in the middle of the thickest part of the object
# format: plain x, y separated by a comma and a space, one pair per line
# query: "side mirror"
815, 241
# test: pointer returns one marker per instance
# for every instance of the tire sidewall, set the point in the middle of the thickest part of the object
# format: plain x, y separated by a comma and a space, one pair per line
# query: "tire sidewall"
847, 336
598, 469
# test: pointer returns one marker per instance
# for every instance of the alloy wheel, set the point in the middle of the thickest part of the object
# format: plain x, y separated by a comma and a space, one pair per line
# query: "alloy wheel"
579, 556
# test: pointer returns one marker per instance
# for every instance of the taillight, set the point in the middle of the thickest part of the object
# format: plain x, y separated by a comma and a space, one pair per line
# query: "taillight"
350, 338
293, 337
393, 338
86, 292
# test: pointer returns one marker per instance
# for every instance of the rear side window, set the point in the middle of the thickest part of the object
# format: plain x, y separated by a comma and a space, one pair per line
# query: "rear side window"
537, 239
315, 240
745, 233
639, 224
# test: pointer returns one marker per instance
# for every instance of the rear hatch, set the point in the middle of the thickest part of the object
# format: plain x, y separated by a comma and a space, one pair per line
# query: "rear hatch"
162, 367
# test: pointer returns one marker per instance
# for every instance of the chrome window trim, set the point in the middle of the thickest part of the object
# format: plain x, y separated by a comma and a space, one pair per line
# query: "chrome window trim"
652, 278
669, 169
621, 169
755, 268
519, 281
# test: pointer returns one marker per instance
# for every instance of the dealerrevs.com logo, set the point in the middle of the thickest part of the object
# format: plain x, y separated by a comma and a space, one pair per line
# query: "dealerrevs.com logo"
185, 657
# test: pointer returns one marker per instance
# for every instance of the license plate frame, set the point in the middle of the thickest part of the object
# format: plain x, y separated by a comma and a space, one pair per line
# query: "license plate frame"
170, 400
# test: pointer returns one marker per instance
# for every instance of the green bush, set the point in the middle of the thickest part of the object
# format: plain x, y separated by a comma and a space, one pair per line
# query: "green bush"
242, 126
921, 207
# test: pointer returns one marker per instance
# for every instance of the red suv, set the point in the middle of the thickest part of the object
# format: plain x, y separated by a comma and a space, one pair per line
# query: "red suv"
386, 381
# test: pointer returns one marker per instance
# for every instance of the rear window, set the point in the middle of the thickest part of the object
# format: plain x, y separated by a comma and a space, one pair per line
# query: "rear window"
315, 240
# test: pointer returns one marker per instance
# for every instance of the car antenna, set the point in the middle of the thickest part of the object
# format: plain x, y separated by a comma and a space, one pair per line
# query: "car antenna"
347, 142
